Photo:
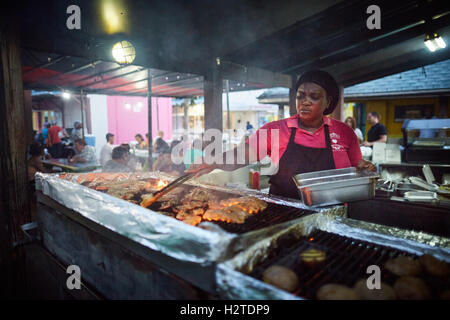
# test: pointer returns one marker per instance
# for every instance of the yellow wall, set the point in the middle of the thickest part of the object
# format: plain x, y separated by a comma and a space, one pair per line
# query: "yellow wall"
386, 108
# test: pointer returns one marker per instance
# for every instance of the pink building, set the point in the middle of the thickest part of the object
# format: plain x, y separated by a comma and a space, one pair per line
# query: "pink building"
128, 116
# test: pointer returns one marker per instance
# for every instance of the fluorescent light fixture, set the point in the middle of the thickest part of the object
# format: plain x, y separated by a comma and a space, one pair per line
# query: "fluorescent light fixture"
124, 52
66, 95
434, 42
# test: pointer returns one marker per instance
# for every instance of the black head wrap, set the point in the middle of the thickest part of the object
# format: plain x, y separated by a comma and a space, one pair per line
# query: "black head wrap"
326, 81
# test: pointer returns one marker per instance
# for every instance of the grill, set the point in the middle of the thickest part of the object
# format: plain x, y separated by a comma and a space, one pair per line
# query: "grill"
273, 214
346, 263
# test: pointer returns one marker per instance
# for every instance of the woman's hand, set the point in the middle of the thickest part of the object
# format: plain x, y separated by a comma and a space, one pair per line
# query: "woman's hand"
367, 144
366, 165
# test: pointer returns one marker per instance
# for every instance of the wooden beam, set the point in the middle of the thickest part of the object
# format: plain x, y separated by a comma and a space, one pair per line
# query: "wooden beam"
15, 189
244, 74
213, 89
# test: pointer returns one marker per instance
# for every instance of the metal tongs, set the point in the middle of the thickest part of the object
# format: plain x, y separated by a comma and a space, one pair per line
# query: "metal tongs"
175, 183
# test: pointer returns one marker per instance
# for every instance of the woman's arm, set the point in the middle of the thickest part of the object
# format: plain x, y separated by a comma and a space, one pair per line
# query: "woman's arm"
383, 139
229, 161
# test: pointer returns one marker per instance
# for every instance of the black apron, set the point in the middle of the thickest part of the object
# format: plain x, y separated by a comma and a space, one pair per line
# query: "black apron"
300, 159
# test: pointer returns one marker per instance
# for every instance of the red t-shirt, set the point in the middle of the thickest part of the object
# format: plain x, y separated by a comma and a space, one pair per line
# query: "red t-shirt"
344, 143
53, 134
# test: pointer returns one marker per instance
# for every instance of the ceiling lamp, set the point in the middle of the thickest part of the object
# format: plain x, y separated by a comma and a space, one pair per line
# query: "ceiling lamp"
434, 42
66, 95
124, 52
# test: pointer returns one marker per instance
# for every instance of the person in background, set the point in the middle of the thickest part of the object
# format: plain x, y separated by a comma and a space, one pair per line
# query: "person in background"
249, 128
159, 138
34, 163
160, 146
142, 144
193, 153
77, 131
133, 161
378, 132
164, 161
45, 133
428, 133
351, 122
56, 148
119, 161
106, 152
86, 153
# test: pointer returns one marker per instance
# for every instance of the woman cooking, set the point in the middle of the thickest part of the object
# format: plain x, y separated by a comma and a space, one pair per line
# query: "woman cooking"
308, 141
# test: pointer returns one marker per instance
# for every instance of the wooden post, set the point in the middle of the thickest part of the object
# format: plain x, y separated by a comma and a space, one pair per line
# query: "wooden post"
28, 116
14, 190
149, 106
337, 113
82, 113
213, 89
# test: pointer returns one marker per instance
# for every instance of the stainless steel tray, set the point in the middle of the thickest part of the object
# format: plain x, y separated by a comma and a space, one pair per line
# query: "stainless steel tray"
335, 186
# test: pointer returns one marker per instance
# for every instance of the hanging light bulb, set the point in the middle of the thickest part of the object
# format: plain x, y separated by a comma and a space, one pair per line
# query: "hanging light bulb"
124, 52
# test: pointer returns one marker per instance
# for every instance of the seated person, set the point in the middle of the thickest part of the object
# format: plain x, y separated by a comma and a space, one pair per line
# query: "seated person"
119, 161
133, 162
164, 161
76, 131
160, 146
159, 136
378, 132
85, 153
34, 163
106, 152
141, 143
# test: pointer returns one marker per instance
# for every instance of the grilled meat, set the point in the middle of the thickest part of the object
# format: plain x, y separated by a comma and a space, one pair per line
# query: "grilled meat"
199, 194
231, 214
248, 204
189, 217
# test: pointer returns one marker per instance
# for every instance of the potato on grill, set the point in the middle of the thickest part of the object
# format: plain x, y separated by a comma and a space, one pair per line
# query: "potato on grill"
411, 288
403, 266
281, 277
333, 291
385, 292
434, 266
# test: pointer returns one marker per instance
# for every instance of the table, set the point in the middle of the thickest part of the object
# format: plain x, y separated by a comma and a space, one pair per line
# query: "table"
73, 167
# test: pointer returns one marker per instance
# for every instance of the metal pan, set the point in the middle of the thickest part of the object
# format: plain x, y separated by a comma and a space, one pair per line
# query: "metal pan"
336, 186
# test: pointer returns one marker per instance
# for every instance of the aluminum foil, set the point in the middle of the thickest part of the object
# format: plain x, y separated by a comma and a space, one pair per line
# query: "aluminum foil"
203, 244
153, 230
330, 220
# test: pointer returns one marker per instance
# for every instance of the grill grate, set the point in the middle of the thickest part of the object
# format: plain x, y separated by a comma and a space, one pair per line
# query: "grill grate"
273, 214
346, 263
